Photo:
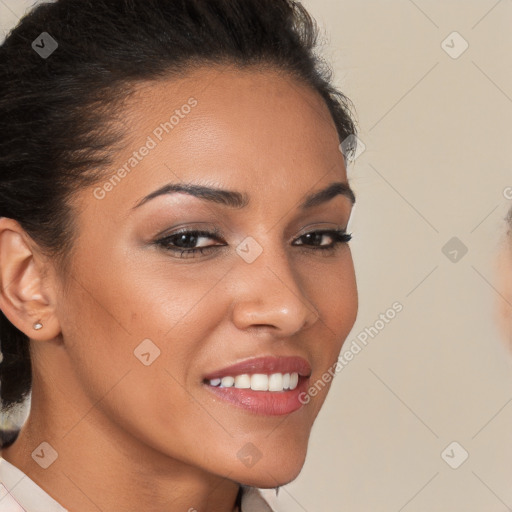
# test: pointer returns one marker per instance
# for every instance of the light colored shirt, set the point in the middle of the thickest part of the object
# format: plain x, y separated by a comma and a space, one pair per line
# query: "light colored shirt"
18, 493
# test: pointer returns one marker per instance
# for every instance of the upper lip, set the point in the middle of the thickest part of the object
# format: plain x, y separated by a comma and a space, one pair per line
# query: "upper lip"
266, 365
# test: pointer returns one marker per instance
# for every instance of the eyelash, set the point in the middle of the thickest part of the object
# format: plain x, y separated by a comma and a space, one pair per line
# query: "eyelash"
339, 236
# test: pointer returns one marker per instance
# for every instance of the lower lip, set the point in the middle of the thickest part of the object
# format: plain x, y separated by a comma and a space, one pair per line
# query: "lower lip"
266, 403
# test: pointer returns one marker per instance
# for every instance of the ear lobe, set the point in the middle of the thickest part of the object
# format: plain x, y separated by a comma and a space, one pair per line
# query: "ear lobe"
24, 299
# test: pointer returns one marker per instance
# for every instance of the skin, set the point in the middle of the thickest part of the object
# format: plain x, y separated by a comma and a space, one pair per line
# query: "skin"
504, 298
135, 437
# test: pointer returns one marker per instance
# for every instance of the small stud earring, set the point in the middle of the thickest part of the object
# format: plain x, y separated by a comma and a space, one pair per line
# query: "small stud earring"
38, 325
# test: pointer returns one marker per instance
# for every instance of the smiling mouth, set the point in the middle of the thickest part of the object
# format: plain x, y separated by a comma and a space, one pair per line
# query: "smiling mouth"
274, 382
267, 385
276, 394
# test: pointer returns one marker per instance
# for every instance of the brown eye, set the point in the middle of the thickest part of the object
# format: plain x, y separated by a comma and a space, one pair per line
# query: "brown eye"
337, 237
185, 242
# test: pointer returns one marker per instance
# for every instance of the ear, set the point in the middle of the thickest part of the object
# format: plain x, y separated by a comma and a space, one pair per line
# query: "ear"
505, 288
26, 294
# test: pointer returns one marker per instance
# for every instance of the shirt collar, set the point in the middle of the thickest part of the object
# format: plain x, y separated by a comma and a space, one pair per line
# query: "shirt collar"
18, 493
253, 501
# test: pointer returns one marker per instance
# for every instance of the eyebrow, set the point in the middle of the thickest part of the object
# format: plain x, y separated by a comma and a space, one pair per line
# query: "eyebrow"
238, 200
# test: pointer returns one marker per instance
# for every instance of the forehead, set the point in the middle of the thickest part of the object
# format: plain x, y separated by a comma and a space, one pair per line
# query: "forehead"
250, 110
252, 129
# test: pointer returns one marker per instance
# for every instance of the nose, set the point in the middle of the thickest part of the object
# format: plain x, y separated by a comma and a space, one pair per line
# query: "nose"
269, 293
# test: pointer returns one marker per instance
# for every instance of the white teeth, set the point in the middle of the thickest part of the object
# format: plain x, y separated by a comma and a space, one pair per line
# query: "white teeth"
259, 381
275, 382
243, 381
294, 380
227, 382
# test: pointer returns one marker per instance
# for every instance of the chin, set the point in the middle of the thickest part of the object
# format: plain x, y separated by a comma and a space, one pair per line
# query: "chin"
268, 474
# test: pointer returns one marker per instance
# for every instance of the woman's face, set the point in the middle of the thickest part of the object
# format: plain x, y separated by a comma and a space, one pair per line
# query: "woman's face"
144, 322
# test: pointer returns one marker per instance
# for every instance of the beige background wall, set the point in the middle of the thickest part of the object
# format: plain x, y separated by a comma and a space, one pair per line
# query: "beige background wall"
437, 165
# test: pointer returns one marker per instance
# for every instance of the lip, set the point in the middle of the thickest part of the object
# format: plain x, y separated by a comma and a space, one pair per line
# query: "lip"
265, 403
266, 365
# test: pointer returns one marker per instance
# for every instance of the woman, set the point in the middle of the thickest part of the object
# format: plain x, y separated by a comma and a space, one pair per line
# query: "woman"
175, 274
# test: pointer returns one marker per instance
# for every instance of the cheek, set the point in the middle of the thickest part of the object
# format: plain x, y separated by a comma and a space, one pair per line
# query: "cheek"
133, 332
145, 315
334, 293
